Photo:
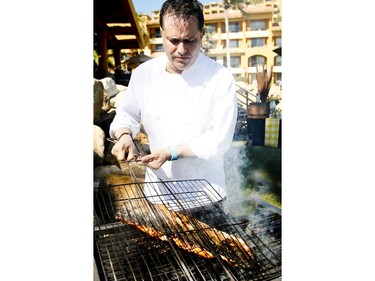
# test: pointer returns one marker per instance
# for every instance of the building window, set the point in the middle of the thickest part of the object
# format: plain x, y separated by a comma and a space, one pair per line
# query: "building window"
234, 27
258, 25
255, 60
157, 33
253, 79
159, 48
233, 44
278, 61
210, 28
234, 61
257, 42
278, 41
278, 78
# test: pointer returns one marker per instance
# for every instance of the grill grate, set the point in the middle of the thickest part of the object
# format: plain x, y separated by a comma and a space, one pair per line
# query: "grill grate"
123, 252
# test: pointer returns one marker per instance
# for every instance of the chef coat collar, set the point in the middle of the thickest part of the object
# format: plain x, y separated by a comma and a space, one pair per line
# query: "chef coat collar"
192, 68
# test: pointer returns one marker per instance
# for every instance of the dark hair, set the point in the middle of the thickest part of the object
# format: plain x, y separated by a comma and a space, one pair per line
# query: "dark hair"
184, 9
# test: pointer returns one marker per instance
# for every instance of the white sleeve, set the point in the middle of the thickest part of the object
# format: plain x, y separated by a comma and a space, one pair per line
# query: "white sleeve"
127, 111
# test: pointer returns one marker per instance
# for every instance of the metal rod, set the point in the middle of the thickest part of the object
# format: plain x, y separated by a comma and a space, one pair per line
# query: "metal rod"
171, 227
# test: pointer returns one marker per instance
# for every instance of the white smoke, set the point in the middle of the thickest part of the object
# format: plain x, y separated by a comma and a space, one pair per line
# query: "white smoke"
235, 160
248, 205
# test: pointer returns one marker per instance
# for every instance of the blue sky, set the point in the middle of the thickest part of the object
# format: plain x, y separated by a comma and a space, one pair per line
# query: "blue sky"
146, 6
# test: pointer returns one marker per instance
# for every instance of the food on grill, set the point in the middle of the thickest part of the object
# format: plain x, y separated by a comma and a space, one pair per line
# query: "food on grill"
186, 232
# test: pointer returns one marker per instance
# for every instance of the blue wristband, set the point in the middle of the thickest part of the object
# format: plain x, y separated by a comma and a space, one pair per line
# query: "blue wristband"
174, 153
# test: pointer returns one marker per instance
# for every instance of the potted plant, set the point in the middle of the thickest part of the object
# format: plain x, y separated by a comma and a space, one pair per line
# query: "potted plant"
260, 108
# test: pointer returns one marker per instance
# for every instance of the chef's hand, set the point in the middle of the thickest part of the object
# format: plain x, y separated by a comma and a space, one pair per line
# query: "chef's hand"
156, 159
124, 149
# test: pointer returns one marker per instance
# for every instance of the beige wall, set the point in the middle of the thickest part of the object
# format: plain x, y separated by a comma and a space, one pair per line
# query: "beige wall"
214, 14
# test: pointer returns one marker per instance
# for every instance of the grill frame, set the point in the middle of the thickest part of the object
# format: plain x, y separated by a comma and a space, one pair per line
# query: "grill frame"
180, 265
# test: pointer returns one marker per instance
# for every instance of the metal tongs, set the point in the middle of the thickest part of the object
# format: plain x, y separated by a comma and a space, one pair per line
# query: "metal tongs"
138, 156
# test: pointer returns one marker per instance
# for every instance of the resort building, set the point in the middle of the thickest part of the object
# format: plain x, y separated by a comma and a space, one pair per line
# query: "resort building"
253, 35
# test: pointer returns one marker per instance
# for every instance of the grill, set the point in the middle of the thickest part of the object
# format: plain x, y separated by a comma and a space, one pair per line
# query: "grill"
149, 239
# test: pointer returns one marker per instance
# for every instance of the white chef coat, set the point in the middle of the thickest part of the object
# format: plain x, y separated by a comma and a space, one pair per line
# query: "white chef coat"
197, 107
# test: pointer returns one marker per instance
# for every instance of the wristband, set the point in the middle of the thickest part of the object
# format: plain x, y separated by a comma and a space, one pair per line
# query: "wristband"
125, 133
174, 153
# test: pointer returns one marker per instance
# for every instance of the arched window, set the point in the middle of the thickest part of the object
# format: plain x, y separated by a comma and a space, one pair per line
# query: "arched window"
277, 61
255, 60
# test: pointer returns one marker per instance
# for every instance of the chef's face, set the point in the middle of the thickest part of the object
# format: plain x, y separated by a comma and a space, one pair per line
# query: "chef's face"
182, 41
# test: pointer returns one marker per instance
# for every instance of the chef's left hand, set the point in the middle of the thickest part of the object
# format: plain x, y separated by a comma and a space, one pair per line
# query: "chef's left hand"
156, 159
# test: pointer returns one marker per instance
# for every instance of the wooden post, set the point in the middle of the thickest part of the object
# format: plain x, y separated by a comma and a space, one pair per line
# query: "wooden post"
117, 56
103, 59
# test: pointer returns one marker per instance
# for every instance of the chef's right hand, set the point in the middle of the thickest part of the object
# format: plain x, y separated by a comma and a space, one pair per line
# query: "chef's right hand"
124, 149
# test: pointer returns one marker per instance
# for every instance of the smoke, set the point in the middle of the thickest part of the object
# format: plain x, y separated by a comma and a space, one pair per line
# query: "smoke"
248, 177
241, 201
249, 205
235, 160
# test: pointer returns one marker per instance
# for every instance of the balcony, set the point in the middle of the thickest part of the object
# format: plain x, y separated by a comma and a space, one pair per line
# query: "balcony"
257, 33
232, 35
223, 51
236, 70
158, 40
